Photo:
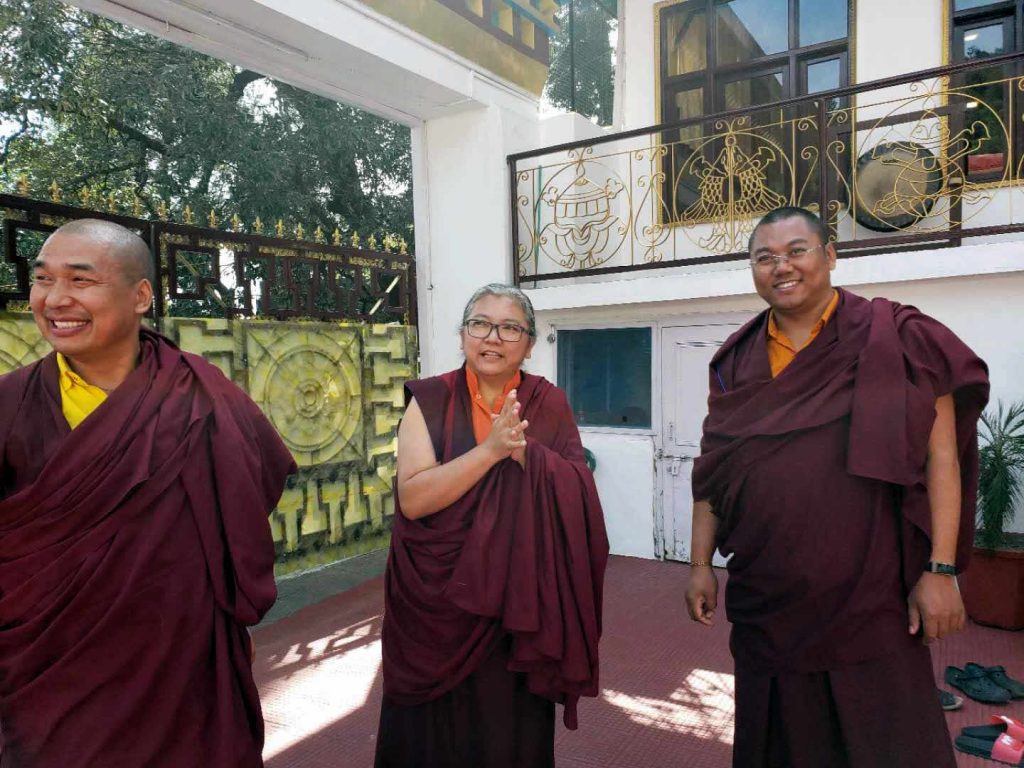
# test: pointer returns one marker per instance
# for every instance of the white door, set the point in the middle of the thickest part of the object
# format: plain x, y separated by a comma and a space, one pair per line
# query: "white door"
685, 353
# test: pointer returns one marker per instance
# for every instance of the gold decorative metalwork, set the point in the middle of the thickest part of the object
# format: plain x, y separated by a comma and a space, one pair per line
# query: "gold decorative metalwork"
371, 242
257, 226
403, 247
300, 233
699, 192
336, 237
136, 206
279, 228
23, 186
187, 216
85, 196
318, 234
211, 219
236, 223
355, 239
162, 211
55, 192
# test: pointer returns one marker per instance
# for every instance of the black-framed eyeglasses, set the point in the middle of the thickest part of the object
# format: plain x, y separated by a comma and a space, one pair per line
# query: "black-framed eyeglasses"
771, 260
481, 329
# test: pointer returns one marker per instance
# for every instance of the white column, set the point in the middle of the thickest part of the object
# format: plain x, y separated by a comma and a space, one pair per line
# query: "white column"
461, 198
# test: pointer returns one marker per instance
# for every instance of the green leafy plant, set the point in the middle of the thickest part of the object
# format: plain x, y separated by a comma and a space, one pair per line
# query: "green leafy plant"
1001, 472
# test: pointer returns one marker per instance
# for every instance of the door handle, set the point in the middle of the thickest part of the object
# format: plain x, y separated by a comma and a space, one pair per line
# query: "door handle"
671, 431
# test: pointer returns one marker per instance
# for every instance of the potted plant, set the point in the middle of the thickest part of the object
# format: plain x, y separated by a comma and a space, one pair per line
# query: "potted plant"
993, 586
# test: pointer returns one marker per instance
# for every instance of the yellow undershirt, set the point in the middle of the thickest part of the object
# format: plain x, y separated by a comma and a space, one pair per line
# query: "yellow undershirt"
782, 351
78, 398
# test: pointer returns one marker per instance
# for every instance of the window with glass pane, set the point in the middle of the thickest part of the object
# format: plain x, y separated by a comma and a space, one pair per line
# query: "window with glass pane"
751, 29
823, 76
754, 91
979, 31
606, 373
686, 37
966, 5
823, 20
737, 54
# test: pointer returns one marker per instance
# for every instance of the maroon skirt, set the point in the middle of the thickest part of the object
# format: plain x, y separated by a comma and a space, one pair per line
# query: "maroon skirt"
876, 714
490, 720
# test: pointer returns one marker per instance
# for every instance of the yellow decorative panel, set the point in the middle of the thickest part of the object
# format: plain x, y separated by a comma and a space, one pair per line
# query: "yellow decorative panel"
445, 26
334, 392
307, 379
213, 339
20, 341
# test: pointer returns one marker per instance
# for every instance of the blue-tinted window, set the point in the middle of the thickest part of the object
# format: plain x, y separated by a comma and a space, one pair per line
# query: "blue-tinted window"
964, 5
823, 20
607, 375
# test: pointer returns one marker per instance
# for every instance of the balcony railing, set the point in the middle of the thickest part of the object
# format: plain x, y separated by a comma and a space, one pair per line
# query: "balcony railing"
926, 160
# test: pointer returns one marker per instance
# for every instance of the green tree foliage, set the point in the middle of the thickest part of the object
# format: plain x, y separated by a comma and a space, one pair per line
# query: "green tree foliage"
87, 101
584, 48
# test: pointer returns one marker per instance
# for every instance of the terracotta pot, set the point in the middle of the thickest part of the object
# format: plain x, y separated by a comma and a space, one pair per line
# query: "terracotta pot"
993, 588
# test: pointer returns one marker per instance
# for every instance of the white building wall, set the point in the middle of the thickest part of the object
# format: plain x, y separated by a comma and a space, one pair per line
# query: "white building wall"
984, 310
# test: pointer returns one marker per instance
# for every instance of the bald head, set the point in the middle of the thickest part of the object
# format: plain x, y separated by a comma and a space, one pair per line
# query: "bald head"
128, 250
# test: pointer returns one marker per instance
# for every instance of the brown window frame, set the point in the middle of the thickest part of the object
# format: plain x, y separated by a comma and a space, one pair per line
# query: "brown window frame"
793, 61
1011, 14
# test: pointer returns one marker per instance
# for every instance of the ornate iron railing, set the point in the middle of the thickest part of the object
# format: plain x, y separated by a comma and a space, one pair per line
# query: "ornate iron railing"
920, 161
210, 272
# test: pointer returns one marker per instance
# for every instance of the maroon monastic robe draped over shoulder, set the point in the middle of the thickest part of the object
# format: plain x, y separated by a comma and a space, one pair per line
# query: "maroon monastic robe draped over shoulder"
134, 550
521, 556
818, 480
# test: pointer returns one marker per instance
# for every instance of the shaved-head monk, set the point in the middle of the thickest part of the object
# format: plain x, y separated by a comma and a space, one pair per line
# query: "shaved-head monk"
838, 469
135, 483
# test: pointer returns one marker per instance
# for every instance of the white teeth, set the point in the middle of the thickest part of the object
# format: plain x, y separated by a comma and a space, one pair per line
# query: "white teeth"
67, 324
787, 284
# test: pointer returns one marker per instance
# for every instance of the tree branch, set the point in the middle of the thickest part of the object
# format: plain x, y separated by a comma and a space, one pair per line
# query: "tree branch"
9, 141
242, 79
79, 180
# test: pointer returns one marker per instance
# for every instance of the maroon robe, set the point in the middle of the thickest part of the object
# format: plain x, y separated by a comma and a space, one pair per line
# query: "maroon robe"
134, 551
495, 600
818, 480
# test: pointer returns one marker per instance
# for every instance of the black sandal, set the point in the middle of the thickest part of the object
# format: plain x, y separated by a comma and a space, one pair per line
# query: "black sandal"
998, 676
977, 685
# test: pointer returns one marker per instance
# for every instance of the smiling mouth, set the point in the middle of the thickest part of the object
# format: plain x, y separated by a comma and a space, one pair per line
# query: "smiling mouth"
786, 284
67, 326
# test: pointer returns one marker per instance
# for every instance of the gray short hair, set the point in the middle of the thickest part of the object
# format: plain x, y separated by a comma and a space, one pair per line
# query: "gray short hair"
504, 291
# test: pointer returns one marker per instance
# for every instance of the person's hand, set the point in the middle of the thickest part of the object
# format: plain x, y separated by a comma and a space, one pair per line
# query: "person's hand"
702, 594
935, 605
507, 431
519, 455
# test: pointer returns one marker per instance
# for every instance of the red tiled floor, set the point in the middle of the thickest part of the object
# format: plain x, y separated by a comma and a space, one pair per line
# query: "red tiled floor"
667, 682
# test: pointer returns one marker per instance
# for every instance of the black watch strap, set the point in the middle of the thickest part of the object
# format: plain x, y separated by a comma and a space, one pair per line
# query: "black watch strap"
943, 568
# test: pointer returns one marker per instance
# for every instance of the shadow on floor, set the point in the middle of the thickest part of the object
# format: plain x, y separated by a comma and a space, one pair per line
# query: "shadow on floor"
667, 683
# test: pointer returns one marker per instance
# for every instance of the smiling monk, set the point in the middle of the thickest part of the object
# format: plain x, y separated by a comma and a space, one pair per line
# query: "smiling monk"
135, 483
838, 469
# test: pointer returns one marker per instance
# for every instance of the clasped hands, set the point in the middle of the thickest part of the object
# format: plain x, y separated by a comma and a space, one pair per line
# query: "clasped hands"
508, 433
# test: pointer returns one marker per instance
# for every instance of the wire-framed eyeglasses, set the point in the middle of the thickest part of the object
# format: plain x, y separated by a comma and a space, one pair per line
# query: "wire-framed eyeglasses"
768, 260
481, 329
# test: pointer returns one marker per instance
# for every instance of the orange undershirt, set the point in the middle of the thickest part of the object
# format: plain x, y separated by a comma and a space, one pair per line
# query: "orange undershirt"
481, 415
781, 350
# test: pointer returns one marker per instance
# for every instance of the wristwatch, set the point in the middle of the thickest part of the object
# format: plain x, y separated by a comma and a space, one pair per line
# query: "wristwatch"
944, 568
